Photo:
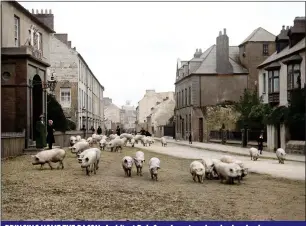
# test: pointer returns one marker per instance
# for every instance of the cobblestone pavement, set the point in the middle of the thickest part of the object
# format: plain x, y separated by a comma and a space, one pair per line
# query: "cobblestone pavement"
291, 169
232, 149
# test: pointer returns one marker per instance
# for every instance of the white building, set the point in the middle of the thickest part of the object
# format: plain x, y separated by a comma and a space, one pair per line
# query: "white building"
281, 72
129, 116
78, 90
111, 112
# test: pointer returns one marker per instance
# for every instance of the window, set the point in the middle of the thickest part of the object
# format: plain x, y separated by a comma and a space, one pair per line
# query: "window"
273, 81
177, 98
264, 83
186, 96
65, 97
40, 42
189, 95
265, 49
183, 98
293, 76
17, 31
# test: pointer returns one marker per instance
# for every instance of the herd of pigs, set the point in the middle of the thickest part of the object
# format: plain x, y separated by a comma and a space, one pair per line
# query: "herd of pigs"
226, 168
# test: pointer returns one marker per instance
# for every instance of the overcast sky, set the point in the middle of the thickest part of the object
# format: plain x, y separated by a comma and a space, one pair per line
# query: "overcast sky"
131, 47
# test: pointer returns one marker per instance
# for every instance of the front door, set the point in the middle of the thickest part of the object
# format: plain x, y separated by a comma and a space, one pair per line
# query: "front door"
201, 129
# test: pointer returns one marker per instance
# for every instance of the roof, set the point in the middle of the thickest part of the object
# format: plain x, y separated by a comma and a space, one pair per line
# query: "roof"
259, 35
284, 53
30, 15
208, 65
89, 69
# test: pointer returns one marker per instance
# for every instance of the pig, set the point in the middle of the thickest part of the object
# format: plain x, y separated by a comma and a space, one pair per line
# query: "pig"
79, 147
138, 138
124, 139
228, 171
73, 140
197, 170
139, 160
230, 159
48, 156
112, 136
102, 144
145, 141
154, 166
90, 160
163, 141
227, 159
151, 140
90, 141
209, 168
132, 142
116, 143
78, 138
127, 164
281, 155
127, 136
254, 153
82, 140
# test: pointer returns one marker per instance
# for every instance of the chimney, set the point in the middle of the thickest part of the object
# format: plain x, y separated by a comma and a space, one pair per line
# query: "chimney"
282, 40
223, 65
62, 37
107, 101
197, 53
69, 44
46, 18
297, 32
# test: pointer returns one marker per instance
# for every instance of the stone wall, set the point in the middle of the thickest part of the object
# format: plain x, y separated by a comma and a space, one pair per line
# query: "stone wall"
216, 115
295, 147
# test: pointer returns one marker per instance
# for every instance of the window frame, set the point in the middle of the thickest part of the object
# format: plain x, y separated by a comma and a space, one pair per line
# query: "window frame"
291, 76
265, 46
16, 30
65, 103
271, 88
186, 97
264, 83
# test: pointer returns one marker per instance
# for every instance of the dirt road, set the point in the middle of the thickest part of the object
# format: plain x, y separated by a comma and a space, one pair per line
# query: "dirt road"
30, 193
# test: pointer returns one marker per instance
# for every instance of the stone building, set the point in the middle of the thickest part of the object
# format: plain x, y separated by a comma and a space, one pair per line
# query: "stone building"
111, 113
279, 74
150, 100
256, 48
78, 90
216, 76
128, 116
25, 53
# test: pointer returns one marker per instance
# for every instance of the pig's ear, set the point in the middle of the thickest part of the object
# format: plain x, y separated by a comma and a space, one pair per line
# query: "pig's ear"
70, 147
33, 156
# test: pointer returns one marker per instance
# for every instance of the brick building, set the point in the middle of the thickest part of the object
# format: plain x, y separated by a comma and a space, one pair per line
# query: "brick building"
25, 57
217, 75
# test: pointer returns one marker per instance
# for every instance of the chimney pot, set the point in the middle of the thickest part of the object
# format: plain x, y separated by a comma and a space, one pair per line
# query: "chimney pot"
220, 33
36, 11
200, 50
224, 31
46, 11
33, 11
196, 50
283, 27
50, 12
42, 11
287, 28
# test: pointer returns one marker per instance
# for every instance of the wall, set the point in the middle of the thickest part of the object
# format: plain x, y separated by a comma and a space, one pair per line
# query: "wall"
7, 36
63, 139
253, 57
162, 113
65, 63
12, 144
112, 112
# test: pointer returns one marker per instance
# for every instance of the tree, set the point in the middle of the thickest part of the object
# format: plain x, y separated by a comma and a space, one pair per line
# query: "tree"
56, 113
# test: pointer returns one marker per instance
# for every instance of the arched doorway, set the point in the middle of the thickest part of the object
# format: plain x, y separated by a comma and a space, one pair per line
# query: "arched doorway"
37, 104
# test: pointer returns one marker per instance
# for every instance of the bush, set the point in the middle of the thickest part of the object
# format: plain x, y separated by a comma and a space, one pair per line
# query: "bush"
71, 125
56, 113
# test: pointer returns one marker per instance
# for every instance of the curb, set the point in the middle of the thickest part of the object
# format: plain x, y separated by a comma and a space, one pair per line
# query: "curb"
228, 152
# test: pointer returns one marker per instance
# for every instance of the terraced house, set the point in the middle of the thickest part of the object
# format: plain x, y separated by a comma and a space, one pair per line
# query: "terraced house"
217, 75
279, 75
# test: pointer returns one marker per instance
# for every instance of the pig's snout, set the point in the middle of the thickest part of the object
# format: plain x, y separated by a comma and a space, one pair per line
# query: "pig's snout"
80, 160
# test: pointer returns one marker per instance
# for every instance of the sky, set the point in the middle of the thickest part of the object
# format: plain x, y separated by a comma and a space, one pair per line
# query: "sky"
134, 46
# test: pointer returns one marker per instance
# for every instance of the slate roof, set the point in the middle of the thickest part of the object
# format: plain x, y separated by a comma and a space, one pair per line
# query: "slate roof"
259, 35
285, 52
208, 65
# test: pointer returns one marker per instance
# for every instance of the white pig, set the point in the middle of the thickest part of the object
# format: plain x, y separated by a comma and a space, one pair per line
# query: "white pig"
209, 168
254, 153
79, 147
228, 171
227, 159
78, 138
154, 166
73, 140
116, 143
127, 136
48, 156
132, 142
163, 141
281, 155
138, 138
102, 144
90, 160
197, 170
139, 160
145, 141
127, 164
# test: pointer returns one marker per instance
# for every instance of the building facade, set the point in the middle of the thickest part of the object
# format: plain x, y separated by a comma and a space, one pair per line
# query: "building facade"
281, 73
149, 101
255, 49
128, 117
78, 90
111, 113
25, 53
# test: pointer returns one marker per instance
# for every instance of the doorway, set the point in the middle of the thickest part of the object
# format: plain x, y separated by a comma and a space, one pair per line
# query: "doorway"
37, 104
201, 129
183, 130
278, 134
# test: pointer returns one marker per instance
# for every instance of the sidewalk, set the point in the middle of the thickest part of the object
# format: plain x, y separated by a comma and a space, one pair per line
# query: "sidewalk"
232, 149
